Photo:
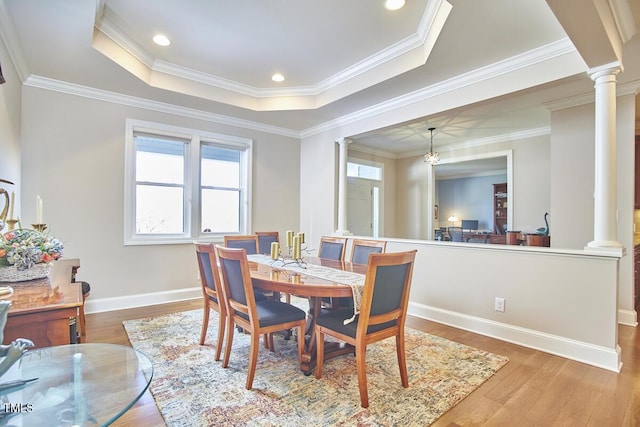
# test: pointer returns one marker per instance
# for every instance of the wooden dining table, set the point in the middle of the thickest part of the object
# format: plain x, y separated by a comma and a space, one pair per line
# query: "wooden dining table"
276, 278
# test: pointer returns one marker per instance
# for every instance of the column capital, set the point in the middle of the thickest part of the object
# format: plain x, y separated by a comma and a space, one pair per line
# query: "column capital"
611, 69
344, 141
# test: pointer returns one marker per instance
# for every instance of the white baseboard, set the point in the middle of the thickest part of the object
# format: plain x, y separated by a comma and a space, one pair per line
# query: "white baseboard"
628, 318
602, 357
599, 356
141, 300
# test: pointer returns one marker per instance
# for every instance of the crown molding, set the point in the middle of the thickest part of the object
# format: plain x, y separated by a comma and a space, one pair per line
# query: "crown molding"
490, 140
162, 107
400, 57
628, 88
624, 19
474, 143
500, 68
354, 146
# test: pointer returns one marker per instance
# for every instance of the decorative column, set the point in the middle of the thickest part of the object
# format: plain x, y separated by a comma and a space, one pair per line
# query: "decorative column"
605, 221
342, 188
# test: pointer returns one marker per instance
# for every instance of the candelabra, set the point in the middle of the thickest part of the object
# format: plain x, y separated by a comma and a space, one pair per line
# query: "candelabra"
294, 250
39, 227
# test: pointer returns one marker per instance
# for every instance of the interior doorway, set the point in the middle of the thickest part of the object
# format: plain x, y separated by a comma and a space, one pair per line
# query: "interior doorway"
364, 199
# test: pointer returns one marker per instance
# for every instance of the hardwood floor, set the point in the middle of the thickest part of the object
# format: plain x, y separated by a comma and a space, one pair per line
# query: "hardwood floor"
533, 389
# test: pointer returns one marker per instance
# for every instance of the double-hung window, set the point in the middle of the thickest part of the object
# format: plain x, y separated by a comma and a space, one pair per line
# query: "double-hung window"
182, 184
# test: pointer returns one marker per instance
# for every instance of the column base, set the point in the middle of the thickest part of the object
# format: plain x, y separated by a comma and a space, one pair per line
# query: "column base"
607, 247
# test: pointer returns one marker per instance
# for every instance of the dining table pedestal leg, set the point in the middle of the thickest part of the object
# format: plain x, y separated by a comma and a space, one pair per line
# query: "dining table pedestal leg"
331, 348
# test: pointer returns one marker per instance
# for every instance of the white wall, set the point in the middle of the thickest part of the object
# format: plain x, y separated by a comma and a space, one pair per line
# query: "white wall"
73, 156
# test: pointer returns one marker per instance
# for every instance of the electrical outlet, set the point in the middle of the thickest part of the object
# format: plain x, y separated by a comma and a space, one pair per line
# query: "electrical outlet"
499, 304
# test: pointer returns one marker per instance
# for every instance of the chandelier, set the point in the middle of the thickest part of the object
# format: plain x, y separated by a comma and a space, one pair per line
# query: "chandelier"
432, 157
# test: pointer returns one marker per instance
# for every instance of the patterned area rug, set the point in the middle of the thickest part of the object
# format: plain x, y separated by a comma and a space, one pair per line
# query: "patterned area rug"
191, 389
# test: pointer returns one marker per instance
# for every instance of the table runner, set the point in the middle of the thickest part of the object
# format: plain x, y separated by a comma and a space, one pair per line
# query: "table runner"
355, 280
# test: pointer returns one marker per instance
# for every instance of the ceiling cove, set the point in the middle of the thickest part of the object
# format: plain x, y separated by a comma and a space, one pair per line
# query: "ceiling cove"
405, 54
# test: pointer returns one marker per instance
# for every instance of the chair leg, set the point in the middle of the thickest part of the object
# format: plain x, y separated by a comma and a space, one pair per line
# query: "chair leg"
319, 351
253, 359
361, 367
227, 350
221, 327
402, 361
300, 341
265, 338
205, 323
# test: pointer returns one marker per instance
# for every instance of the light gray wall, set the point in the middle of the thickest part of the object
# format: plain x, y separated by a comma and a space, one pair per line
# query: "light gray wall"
10, 113
73, 157
575, 279
532, 184
573, 176
572, 172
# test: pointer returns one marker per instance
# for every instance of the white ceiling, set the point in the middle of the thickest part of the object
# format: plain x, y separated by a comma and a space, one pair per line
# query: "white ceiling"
340, 58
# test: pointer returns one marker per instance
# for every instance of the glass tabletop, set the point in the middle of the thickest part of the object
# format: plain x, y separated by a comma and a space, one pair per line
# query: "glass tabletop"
74, 385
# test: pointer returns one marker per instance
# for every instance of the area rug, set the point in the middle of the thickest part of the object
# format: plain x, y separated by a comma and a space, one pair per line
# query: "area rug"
192, 389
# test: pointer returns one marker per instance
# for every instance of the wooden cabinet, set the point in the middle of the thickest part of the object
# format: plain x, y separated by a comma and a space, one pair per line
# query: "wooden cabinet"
500, 202
43, 310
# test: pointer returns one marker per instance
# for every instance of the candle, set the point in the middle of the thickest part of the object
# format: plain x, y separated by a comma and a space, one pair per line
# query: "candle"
296, 248
12, 204
289, 238
39, 210
275, 250
301, 237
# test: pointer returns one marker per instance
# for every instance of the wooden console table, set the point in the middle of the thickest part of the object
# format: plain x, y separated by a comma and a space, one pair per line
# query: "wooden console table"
41, 309
528, 239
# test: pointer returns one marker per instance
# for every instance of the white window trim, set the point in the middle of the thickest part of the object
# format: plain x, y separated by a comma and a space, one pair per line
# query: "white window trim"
191, 185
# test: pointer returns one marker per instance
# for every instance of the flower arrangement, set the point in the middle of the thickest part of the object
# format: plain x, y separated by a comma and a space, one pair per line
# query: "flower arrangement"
24, 248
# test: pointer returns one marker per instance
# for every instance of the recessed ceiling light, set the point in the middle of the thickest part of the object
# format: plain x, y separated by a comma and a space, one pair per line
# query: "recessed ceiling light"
394, 4
161, 40
277, 77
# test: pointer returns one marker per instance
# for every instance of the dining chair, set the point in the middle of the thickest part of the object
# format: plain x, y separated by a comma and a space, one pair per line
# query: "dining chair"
211, 292
256, 317
332, 248
360, 249
265, 238
248, 242
382, 315
455, 234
